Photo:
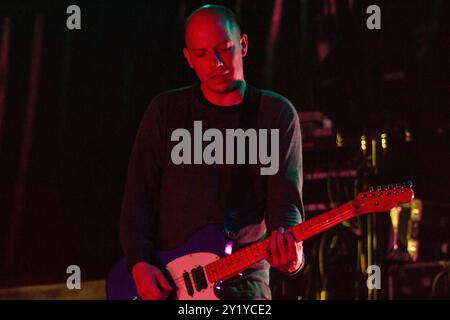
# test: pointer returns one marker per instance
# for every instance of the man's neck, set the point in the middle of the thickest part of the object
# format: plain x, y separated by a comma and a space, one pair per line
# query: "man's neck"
226, 99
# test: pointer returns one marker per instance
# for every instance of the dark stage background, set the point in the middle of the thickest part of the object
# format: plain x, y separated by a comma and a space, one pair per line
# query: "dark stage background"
71, 101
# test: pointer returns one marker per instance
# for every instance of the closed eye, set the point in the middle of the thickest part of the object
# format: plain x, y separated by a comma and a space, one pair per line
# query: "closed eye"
199, 53
227, 48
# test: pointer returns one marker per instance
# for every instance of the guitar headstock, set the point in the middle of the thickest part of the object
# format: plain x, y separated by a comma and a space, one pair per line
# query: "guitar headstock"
383, 198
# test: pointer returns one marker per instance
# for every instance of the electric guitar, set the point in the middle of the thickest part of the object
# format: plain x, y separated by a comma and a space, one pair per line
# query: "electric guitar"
197, 268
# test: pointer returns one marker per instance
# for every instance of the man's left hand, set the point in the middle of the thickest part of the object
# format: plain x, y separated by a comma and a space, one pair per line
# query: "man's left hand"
286, 254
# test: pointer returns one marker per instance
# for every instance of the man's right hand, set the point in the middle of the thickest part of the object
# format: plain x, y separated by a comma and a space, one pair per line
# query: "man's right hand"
151, 284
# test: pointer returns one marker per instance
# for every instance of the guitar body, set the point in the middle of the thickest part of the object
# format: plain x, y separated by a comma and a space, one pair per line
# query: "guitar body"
202, 248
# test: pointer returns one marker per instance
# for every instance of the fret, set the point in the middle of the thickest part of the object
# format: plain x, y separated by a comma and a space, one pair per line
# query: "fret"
212, 274
243, 256
322, 222
222, 264
255, 252
247, 254
235, 260
231, 261
217, 273
210, 270
239, 257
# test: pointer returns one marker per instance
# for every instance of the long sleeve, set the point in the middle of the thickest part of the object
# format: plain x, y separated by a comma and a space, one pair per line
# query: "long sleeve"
141, 195
284, 189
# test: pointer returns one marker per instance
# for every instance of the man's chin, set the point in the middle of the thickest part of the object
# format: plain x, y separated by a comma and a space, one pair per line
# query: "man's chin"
225, 87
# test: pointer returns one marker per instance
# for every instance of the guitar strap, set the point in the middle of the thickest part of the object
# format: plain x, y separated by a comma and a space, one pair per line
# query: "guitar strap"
240, 177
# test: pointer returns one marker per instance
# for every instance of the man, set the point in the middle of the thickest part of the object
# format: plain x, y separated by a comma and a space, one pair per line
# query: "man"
165, 203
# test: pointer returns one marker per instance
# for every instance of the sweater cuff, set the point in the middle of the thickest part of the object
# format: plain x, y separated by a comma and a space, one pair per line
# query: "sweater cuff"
289, 274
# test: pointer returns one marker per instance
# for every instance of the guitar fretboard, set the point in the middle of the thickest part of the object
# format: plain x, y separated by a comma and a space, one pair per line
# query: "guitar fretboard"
231, 265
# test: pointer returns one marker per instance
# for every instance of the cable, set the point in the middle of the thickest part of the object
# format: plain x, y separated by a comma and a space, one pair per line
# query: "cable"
436, 279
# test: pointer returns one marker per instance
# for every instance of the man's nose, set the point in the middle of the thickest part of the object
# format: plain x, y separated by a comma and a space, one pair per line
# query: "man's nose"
214, 60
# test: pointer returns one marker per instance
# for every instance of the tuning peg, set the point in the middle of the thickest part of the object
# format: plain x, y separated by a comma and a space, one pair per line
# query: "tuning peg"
407, 184
385, 186
370, 189
378, 187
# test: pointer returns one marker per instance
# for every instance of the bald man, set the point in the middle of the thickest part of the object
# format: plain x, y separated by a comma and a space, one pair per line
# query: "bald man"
165, 204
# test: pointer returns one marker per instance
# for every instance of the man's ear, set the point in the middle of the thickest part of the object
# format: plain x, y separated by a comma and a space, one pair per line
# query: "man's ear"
244, 44
188, 57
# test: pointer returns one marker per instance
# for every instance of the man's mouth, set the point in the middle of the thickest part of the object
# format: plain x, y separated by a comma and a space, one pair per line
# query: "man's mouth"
220, 74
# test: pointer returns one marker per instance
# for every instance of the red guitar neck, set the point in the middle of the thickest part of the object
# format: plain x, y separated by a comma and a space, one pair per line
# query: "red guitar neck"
323, 221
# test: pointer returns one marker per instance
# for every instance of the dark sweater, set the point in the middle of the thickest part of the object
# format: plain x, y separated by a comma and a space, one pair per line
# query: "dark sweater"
164, 204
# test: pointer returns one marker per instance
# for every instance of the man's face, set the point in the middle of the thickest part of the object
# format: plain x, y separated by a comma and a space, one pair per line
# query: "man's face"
215, 52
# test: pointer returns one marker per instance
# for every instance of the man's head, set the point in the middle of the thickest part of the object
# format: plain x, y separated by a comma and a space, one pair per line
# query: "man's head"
215, 48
